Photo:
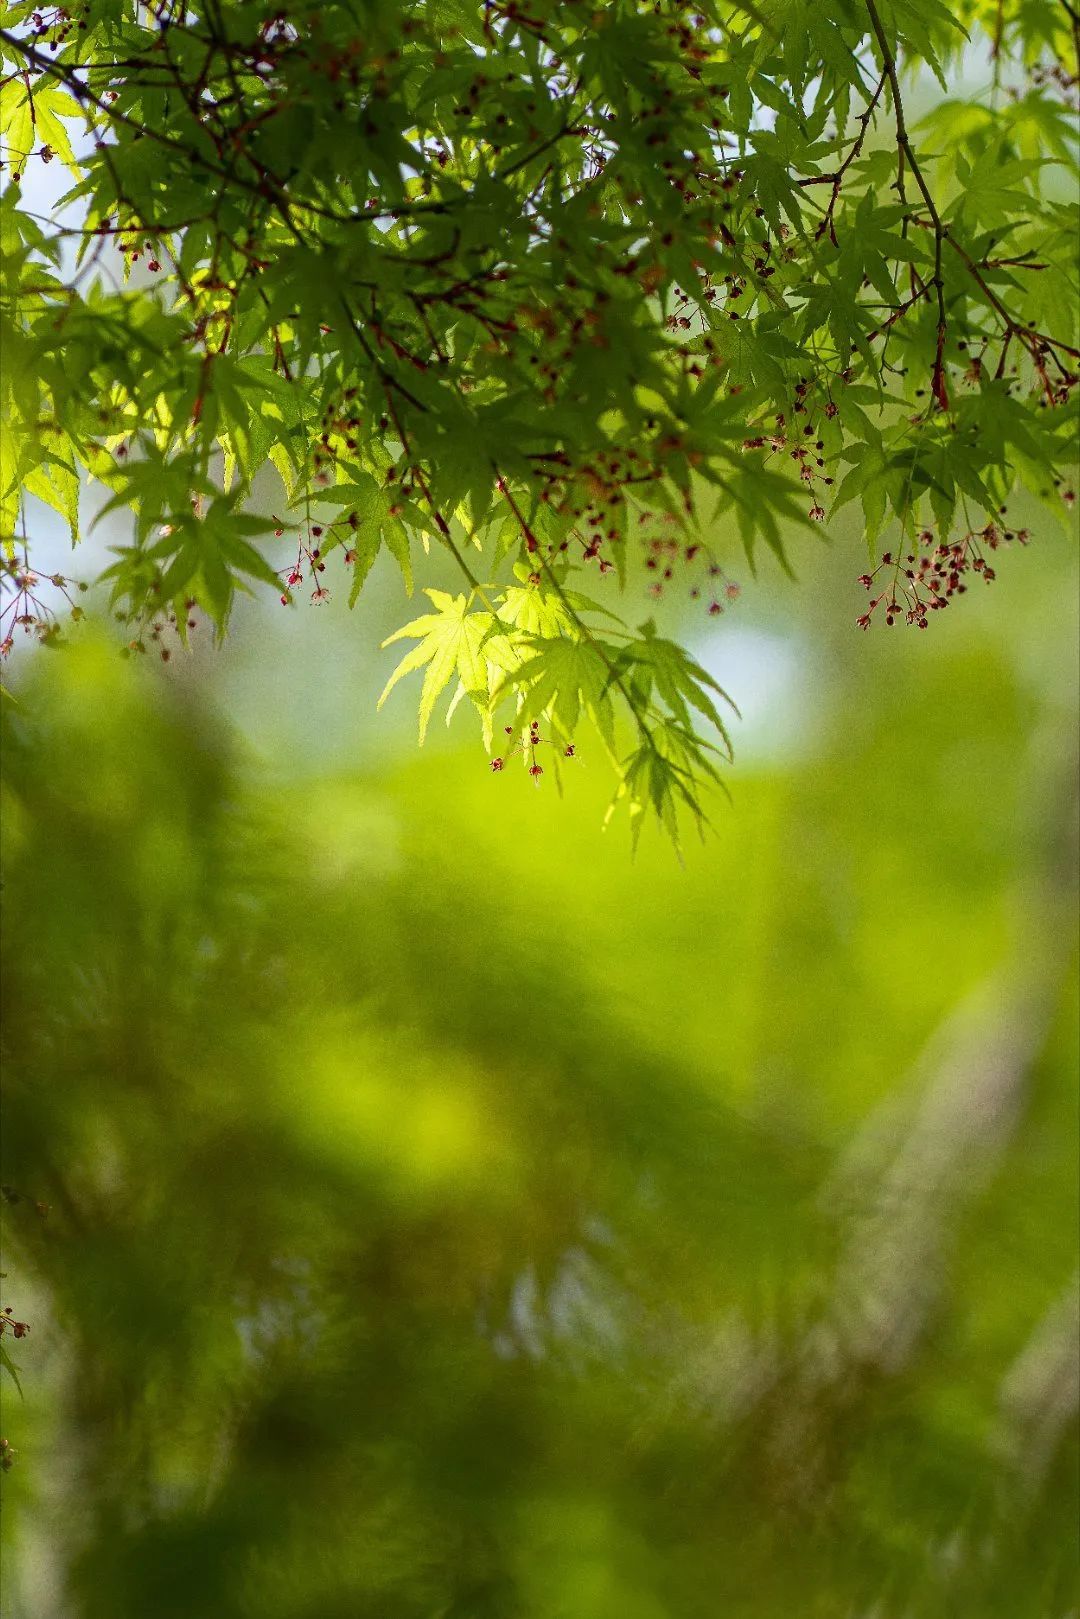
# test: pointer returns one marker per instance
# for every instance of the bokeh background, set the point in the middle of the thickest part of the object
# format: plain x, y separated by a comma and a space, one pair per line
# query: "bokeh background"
423, 1210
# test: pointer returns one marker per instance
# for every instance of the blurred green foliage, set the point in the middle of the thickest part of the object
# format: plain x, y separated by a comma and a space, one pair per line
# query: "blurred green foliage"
449, 1218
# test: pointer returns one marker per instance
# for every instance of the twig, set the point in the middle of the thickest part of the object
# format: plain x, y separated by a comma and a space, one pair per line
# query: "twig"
827, 224
906, 150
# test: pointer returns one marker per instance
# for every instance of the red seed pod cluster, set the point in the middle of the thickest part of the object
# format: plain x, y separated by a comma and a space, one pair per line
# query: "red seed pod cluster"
27, 606
8, 1323
801, 442
54, 26
1057, 76
164, 631
669, 555
527, 744
310, 557
340, 428
923, 581
134, 247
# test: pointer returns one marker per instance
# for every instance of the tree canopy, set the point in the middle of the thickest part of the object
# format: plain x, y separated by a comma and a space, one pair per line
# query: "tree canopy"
569, 292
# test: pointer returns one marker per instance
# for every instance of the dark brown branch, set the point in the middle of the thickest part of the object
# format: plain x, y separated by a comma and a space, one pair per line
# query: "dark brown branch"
828, 224
907, 151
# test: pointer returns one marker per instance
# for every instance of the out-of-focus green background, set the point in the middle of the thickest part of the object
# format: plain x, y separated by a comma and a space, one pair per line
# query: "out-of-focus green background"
448, 1216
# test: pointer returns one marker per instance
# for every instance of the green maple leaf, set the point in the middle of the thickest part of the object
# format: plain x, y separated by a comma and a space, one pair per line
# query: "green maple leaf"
450, 642
681, 682
566, 675
9, 1366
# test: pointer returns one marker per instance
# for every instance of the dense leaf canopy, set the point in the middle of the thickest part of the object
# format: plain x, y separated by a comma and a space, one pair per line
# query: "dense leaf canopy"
548, 287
